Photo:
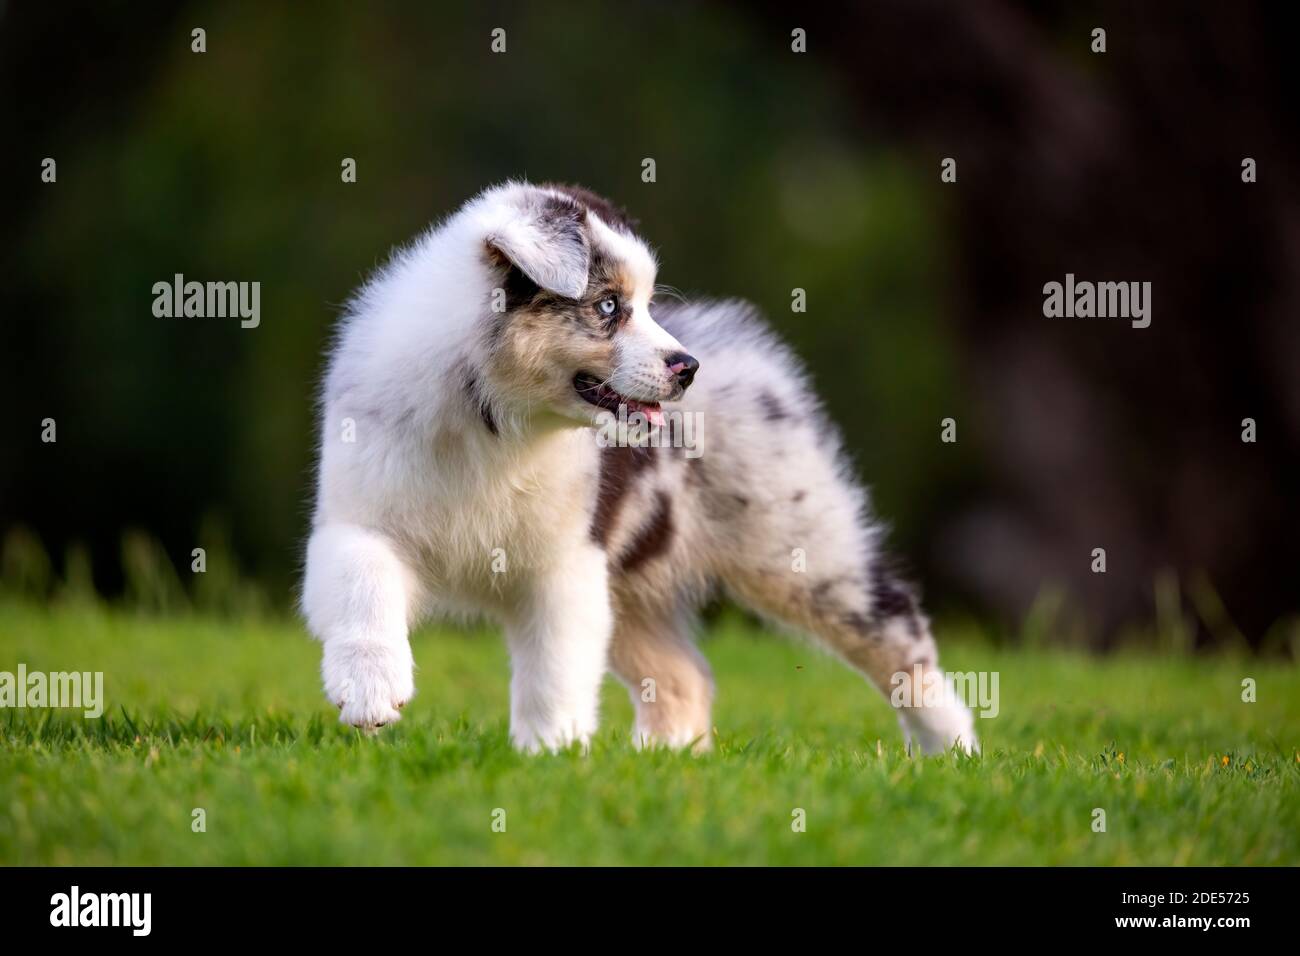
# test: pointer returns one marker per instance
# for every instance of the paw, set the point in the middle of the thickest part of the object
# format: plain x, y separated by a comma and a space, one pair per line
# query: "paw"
696, 739
368, 682
935, 730
535, 737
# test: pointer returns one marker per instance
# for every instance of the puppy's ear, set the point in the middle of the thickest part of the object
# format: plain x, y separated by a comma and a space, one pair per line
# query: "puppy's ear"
547, 243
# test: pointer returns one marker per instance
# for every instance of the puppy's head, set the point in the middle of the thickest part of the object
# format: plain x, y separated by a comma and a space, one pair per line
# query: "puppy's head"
572, 329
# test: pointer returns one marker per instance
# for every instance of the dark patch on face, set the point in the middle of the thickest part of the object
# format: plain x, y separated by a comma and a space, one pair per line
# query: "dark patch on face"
519, 289
479, 401
653, 538
741, 501
799, 496
620, 466
773, 410
614, 216
604, 278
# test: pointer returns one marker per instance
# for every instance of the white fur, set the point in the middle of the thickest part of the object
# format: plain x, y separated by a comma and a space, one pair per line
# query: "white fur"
409, 514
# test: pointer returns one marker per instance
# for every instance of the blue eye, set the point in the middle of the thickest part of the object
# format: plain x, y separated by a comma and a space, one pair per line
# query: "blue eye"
608, 306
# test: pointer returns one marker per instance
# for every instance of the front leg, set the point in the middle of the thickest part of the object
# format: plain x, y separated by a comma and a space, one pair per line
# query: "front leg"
356, 597
558, 642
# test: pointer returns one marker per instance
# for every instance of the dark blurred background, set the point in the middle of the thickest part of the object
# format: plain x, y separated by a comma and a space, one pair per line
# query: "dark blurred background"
775, 170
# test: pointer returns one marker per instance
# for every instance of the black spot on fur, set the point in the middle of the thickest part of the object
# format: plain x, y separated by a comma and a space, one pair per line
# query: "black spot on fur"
799, 496
620, 466
889, 600
653, 538
773, 410
892, 598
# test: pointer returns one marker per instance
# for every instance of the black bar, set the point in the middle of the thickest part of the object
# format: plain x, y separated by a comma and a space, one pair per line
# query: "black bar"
331, 906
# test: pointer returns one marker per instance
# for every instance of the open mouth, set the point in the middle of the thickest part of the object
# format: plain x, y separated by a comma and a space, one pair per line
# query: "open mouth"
594, 391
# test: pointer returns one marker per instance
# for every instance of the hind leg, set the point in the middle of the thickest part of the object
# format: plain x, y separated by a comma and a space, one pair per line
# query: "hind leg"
895, 648
667, 678
873, 623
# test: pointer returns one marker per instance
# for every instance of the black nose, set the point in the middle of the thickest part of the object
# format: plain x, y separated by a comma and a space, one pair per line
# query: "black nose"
683, 366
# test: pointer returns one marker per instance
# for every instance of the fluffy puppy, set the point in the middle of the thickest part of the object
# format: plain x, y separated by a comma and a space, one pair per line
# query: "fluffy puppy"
468, 468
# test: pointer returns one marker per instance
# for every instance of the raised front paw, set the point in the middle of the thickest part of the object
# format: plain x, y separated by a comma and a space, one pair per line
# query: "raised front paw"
368, 682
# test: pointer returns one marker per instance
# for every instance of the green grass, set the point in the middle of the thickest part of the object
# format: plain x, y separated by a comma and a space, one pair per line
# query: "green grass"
229, 717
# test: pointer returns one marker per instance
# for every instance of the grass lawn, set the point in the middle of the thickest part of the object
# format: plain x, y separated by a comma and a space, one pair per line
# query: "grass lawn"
229, 717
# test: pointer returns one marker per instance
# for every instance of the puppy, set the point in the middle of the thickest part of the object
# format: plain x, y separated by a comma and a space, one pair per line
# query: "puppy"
463, 472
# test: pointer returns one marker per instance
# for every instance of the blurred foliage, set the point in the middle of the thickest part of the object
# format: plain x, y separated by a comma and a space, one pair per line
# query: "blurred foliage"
775, 172
153, 583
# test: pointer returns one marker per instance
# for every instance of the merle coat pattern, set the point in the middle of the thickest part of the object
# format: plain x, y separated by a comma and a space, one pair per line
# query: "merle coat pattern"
460, 474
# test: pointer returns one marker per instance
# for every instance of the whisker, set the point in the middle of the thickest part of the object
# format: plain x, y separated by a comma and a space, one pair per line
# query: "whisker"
671, 291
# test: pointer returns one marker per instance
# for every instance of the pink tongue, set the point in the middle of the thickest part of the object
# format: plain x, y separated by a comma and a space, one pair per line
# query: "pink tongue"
653, 413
